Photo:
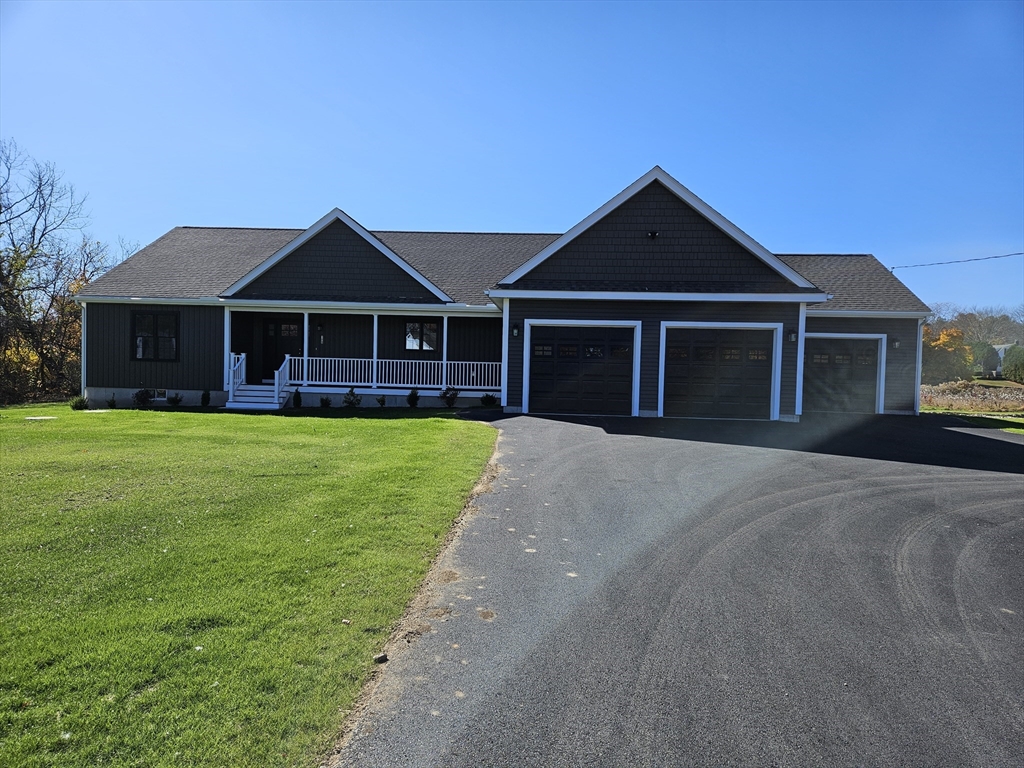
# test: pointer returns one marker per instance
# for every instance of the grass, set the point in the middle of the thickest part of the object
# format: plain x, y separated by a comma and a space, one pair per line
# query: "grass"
173, 584
998, 383
1014, 424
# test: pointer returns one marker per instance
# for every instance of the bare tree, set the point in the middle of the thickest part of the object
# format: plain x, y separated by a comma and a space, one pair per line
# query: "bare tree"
45, 256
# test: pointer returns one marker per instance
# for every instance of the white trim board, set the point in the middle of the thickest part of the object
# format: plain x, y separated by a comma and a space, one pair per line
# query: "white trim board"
800, 338
337, 215
684, 194
655, 296
866, 314
636, 325
883, 343
776, 384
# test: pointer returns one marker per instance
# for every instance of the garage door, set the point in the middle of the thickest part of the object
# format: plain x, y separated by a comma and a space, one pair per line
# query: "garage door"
840, 375
581, 370
718, 373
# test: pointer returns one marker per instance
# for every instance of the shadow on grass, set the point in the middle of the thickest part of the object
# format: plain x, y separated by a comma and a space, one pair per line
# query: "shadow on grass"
929, 439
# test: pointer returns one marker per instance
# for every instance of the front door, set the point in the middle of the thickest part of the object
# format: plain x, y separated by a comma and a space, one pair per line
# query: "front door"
281, 336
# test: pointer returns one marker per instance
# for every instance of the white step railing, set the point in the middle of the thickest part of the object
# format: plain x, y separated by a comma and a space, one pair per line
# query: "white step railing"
237, 374
359, 372
281, 378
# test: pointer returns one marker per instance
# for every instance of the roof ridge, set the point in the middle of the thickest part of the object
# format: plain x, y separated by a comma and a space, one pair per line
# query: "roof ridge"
453, 232
255, 229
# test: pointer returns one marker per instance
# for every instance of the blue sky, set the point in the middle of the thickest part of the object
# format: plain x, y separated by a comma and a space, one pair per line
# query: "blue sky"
888, 128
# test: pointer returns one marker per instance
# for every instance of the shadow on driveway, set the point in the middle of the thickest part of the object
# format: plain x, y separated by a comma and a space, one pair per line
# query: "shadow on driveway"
932, 439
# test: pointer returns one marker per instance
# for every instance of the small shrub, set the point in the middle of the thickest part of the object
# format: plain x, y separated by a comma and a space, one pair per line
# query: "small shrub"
142, 398
413, 398
381, 400
112, 402
205, 399
297, 399
448, 396
174, 400
78, 403
325, 402
488, 400
352, 400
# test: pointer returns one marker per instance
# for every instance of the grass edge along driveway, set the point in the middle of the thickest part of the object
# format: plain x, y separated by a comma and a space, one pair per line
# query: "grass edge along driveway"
173, 584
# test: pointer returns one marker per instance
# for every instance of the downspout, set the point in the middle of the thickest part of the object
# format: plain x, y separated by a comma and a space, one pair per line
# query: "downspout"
82, 377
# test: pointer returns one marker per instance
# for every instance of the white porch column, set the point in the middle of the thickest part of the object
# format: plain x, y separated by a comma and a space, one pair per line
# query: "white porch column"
82, 360
305, 348
504, 352
227, 349
444, 352
801, 332
373, 383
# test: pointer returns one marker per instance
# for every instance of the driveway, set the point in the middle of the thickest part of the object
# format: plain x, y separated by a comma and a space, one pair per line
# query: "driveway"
671, 593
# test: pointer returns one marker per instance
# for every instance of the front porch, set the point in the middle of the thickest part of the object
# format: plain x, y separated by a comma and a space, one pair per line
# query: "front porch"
393, 354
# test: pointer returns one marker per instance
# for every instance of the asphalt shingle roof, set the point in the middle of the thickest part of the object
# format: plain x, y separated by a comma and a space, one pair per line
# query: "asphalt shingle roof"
858, 282
203, 262
191, 263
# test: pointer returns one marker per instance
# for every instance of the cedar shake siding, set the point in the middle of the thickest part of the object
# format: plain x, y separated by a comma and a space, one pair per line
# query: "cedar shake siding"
110, 359
900, 364
651, 314
337, 265
689, 255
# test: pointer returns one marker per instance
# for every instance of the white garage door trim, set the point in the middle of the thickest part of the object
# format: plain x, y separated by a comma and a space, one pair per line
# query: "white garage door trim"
882, 345
776, 329
634, 324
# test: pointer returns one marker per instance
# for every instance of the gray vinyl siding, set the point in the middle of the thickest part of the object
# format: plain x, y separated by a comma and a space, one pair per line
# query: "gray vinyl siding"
690, 254
341, 335
391, 337
900, 364
474, 339
651, 314
337, 265
109, 350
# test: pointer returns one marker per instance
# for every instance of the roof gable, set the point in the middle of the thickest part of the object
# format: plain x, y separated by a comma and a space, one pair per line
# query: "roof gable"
696, 248
337, 259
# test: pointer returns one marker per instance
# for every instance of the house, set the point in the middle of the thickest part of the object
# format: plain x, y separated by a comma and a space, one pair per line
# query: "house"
653, 305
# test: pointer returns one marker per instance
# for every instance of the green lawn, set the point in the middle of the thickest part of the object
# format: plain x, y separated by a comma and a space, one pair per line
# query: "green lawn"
1006, 423
173, 584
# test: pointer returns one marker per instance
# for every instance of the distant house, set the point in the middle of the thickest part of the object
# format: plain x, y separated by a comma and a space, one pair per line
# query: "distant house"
653, 305
1001, 351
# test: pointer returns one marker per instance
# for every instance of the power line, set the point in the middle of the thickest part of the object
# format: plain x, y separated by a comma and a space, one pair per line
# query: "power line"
958, 261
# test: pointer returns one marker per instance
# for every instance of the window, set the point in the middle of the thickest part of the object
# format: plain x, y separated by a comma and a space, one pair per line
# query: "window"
818, 359
864, 357
568, 350
594, 351
757, 353
621, 352
678, 353
290, 329
731, 353
421, 336
844, 359
543, 350
155, 336
705, 354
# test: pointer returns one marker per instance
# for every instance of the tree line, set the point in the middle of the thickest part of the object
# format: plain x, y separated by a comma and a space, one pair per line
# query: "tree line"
46, 256
959, 343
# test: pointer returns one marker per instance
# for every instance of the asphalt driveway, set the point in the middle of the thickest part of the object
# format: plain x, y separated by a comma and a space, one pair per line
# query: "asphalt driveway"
670, 593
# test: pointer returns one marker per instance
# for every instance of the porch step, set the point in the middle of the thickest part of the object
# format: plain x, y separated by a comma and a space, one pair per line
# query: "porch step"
255, 397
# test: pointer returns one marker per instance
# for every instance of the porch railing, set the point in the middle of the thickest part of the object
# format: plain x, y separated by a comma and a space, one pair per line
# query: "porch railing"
281, 378
237, 377
359, 372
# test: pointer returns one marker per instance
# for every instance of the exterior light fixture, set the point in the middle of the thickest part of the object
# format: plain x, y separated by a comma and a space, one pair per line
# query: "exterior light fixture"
653, 234
791, 335
515, 330
895, 343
